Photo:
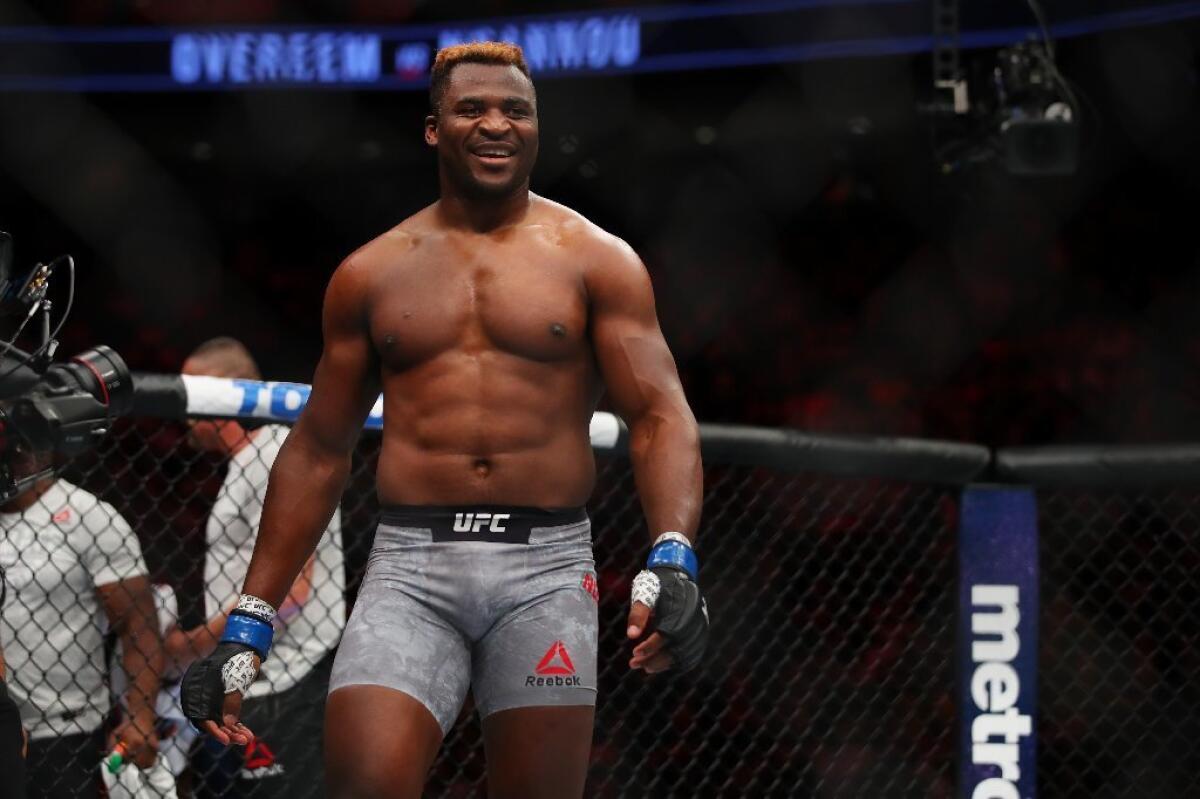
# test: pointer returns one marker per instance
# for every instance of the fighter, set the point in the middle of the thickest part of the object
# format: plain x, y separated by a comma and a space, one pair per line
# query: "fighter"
492, 321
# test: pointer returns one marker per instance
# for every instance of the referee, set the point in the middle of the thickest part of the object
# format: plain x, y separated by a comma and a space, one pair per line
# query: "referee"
285, 707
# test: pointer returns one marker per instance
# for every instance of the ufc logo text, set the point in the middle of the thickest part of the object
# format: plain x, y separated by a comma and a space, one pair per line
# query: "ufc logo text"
474, 522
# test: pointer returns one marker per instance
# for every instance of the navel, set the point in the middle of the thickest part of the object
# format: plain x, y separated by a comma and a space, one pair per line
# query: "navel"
483, 467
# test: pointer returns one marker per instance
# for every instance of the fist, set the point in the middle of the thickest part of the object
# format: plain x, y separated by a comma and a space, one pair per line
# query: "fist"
212, 691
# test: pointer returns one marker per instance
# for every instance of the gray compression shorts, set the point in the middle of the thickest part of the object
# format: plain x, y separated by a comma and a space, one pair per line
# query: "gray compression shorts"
498, 599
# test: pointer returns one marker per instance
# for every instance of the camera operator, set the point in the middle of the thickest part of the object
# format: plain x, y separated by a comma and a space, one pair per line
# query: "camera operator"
74, 569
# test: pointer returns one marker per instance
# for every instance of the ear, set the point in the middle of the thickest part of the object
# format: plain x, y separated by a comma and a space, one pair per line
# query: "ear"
431, 137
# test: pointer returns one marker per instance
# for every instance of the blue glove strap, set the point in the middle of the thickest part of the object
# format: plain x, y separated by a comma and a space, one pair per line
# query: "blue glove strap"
253, 632
673, 554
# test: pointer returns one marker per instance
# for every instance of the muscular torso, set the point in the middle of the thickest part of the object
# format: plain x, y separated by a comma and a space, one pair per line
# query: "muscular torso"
488, 374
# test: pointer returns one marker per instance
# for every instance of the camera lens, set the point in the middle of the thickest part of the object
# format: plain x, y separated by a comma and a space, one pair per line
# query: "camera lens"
101, 373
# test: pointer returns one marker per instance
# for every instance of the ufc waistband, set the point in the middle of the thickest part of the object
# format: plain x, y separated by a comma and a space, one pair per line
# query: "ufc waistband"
499, 524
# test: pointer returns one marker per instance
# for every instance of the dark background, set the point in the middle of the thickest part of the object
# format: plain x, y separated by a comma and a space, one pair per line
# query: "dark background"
813, 266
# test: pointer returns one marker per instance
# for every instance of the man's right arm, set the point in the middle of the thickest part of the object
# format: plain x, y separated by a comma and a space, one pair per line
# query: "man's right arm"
313, 464
302, 493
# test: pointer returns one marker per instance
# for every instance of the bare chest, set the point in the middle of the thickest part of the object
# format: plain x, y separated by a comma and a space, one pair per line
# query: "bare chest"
525, 300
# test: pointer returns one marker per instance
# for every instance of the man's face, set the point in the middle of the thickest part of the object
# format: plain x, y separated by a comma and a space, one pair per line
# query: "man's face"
208, 434
24, 463
486, 130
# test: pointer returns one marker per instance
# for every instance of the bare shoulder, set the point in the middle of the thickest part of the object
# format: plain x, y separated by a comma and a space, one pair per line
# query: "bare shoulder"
390, 250
603, 256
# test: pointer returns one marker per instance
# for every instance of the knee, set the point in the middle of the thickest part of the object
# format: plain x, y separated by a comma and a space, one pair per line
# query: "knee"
354, 773
377, 744
372, 780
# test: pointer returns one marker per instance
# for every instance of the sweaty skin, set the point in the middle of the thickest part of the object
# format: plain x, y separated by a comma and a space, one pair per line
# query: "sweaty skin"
492, 321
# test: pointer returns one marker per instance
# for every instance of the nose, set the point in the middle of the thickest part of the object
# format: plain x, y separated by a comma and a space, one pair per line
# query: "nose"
494, 122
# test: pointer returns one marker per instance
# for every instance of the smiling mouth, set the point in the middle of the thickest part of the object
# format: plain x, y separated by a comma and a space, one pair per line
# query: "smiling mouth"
494, 155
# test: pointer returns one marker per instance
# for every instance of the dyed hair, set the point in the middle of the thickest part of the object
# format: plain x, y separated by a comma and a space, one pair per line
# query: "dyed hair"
229, 356
502, 53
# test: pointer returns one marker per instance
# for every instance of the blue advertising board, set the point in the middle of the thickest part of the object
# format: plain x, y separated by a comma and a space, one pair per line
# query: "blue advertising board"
997, 643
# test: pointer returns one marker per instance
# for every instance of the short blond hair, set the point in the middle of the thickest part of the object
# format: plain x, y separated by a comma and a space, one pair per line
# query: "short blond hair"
501, 53
228, 356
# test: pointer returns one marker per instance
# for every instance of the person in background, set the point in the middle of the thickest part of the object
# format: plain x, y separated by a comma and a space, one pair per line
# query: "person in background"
286, 705
73, 571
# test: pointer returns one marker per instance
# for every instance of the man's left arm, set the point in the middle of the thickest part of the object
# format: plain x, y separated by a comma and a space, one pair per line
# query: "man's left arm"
130, 608
644, 388
113, 557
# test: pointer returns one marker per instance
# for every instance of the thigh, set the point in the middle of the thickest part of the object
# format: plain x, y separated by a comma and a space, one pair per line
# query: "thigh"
397, 637
538, 752
68, 766
379, 742
543, 653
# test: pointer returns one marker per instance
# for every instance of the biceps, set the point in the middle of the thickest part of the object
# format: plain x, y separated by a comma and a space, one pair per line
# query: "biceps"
345, 386
636, 365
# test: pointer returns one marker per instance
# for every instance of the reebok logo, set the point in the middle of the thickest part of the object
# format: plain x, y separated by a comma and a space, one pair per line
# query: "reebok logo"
259, 762
555, 668
555, 661
474, 522
589, 585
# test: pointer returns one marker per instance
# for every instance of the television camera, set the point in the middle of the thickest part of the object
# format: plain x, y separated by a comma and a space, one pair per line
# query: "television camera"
49, 411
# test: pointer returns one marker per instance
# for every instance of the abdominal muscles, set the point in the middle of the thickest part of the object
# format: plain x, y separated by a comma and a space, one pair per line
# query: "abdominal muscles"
487, 428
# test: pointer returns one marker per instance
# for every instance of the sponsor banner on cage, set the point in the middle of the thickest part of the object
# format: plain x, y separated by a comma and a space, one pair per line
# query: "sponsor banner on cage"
255, 399
997, 643
282, 402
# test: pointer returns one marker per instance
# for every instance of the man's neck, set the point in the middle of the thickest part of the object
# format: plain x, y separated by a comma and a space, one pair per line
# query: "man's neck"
483, 214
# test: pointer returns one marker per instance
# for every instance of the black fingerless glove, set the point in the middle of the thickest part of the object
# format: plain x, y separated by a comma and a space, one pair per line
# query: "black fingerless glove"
682, 617
206, 682
229, 668
681, 614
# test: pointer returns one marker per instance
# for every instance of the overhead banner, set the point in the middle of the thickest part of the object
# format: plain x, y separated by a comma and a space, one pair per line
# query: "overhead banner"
600, 42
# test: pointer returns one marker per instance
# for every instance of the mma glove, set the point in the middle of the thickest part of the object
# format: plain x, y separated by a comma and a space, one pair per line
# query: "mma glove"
668, 587
230, 668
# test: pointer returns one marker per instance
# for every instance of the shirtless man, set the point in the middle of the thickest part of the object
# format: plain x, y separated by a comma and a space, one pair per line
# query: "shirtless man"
492, 321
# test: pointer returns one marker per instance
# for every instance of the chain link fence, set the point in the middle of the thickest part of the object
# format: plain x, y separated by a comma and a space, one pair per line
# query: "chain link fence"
830, 671
1120, 702
831, 668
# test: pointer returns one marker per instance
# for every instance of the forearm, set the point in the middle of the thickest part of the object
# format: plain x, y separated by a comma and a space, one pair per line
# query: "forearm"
142, 659
665, 450
298, 594
305, 485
